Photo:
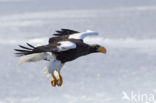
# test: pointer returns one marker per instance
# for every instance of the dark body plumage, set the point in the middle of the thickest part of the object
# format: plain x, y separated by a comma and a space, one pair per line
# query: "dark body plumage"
81, 50
64, 56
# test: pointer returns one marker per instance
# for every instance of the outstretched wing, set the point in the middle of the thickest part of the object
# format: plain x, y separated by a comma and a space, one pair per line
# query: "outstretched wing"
67, 34
59, 47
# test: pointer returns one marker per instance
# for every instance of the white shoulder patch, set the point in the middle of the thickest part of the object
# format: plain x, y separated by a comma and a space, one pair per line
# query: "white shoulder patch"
66, 45
82, 35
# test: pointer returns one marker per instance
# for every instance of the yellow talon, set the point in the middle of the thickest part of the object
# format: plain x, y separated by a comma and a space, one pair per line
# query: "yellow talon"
59, 80
53, 81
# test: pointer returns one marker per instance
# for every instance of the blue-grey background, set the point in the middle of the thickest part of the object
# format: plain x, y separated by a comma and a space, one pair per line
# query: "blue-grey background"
127, 29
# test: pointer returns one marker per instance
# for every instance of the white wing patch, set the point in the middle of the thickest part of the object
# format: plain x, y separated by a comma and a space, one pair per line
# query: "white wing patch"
83, 34
66, 45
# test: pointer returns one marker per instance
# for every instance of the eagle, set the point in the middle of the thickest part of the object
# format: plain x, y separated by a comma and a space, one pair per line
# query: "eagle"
66, 45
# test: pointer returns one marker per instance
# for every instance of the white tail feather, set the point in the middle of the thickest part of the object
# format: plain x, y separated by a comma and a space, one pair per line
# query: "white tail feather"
34, 57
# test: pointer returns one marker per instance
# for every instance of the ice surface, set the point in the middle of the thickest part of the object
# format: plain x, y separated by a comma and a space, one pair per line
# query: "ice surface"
126, 30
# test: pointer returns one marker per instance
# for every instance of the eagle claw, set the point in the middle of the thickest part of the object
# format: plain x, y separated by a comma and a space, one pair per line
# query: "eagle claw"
59, 80
53, 81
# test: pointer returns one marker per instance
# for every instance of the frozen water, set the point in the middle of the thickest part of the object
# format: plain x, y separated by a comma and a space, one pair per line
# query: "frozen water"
127, 30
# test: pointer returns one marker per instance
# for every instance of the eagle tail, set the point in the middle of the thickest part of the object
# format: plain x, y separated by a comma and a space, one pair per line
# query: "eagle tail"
33, 58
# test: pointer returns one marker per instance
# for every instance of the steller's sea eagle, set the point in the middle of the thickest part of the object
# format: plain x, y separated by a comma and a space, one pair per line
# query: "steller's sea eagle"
65, 46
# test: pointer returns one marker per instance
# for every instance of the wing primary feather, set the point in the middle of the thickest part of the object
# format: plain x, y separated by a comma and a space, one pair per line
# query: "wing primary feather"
25, 47
19, 54
21, 50
30, 45
59, 31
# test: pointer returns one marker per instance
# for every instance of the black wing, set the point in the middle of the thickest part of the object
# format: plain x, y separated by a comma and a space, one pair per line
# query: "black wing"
64, 32
31, 49
55, 47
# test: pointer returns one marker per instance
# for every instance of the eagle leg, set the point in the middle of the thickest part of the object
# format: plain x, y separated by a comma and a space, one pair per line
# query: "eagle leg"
59, 80
53, 81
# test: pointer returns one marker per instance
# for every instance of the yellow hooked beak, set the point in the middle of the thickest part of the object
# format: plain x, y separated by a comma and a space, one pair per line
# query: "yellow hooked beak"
102, 49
